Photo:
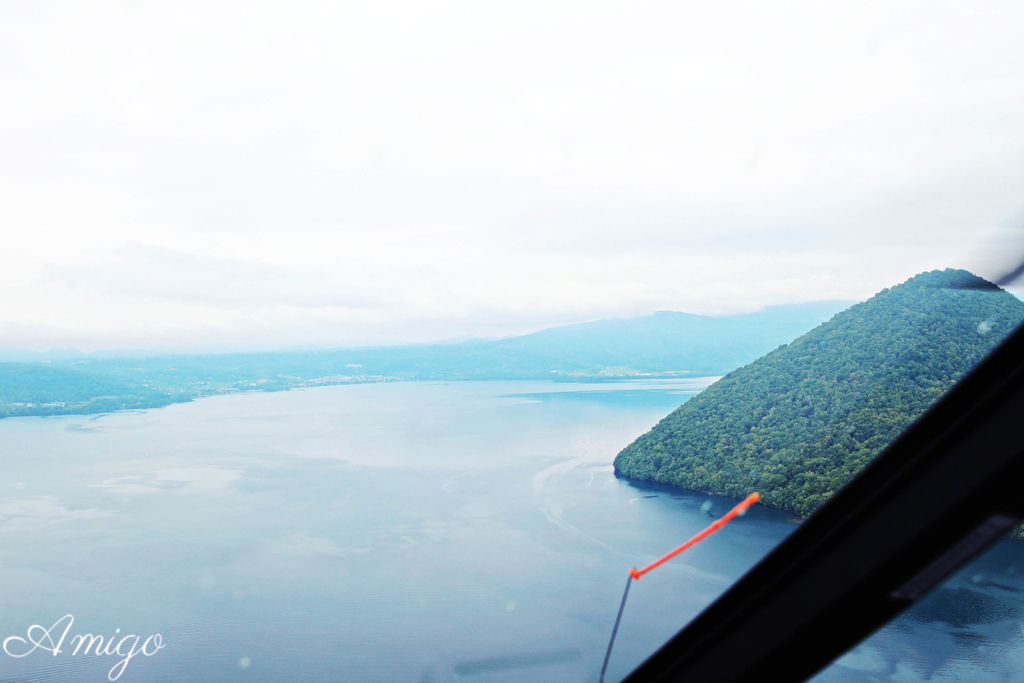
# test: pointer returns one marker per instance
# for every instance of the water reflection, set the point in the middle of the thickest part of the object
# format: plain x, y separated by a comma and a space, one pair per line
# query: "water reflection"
520, 660
400, 532
968, 628
962, 607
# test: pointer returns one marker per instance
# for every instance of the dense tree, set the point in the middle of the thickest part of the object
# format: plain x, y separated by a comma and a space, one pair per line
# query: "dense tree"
797, 423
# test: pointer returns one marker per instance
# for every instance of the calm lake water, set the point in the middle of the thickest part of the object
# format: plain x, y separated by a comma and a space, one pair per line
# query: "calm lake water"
407, 531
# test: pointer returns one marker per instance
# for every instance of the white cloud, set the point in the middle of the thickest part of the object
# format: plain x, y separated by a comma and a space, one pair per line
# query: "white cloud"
193, 174
31, 513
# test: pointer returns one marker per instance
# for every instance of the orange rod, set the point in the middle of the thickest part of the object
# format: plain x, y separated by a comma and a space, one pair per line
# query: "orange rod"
715, 526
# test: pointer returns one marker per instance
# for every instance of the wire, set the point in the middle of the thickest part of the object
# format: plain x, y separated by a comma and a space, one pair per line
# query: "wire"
635, 574
615, 629
715, 526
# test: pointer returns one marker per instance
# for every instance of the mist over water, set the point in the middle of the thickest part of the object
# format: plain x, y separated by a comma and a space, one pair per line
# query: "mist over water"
401, 531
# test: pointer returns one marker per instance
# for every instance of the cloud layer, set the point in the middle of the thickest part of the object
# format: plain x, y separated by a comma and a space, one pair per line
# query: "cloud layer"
196, 175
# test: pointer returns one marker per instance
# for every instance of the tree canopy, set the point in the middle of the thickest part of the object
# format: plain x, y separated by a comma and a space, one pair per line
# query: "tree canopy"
799, 422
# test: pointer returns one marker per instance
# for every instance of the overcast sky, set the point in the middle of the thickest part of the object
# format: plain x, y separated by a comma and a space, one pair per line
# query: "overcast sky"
210, 175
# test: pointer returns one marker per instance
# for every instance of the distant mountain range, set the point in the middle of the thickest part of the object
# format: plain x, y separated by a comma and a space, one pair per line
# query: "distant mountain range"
797, 423
662, 344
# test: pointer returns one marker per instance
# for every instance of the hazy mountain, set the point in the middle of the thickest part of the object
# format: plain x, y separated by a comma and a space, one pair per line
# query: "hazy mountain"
660, 344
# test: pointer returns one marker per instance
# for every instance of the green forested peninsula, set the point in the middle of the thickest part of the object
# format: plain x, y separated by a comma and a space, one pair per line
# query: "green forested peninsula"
797, 423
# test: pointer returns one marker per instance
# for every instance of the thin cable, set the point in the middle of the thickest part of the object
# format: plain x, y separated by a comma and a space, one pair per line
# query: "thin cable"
615, 629
715, 526
635, 574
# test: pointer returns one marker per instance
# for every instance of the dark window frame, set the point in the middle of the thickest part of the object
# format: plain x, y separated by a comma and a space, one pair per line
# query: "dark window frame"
945, 489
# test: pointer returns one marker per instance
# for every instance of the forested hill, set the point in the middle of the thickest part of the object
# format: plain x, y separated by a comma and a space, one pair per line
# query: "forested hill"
797, 423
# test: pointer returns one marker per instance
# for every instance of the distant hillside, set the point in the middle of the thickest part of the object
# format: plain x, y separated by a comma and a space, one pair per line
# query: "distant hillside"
34, 389
659, 344
796, 424
664, 341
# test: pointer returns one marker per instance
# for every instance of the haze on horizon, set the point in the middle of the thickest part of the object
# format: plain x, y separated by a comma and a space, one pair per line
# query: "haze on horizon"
217, 175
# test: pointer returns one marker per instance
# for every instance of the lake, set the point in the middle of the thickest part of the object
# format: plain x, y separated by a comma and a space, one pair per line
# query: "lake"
420, 531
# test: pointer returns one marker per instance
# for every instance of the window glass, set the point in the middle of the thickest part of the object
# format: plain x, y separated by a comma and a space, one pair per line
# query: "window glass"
966, 629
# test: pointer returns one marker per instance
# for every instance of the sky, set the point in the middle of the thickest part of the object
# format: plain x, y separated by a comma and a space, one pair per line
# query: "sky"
214, 176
